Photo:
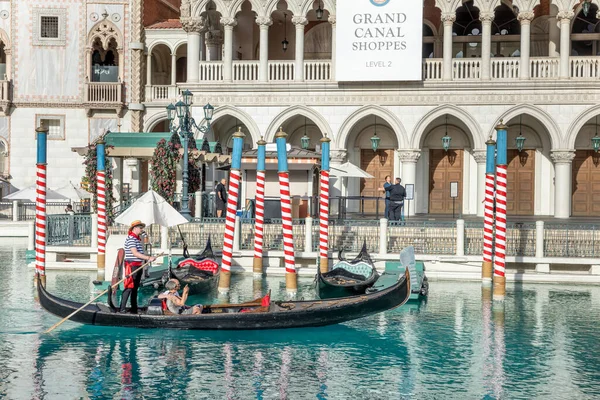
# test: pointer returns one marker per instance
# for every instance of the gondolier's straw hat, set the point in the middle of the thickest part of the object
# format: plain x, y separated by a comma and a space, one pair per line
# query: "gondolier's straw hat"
135, 223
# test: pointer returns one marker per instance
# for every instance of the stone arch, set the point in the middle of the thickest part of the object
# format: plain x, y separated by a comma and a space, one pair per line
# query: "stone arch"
200, 7
291, 6
236, 7
471, 124
307, 112
546, 120
244, 117
154, 120
4, 38
432, 26
578, 124
105, 30
159, 42
308, 6
178, 44
363, 112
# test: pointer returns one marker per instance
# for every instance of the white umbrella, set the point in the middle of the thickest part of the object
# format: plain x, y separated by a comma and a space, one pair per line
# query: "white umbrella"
151, 208
348, 170
29, 193
73, 192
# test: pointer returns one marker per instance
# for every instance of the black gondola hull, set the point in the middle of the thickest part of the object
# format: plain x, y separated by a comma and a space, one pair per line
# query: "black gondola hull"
281, 314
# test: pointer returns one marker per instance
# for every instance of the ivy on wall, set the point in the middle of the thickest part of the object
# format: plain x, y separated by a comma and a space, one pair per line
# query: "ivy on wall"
163, 167
90, 183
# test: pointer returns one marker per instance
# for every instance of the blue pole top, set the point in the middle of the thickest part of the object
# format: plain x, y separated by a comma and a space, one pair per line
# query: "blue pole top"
42, 141
325, 144
501, 143
281, 150
238, 144
262, 155
100, 155
490, 159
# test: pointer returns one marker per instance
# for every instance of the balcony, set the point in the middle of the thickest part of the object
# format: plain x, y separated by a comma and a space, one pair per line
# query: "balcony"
104, 95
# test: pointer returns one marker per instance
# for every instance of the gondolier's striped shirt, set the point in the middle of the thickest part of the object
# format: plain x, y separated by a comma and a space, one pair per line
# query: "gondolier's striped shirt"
130, 242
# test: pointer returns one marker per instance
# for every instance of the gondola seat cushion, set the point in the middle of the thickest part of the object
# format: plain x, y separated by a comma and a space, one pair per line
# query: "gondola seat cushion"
204, 265
357, 269
155, 307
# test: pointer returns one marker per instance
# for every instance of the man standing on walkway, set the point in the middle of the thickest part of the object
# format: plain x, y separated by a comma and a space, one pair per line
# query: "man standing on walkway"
221, 197
386, 184
397, 195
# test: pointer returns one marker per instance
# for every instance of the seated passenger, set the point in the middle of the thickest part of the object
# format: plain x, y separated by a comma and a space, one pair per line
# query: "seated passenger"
176, 302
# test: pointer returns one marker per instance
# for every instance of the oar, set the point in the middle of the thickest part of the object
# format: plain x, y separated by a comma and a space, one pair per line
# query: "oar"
185, 251
96, 298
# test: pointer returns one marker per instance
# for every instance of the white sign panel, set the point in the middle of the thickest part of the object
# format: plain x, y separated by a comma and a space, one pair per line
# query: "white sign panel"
379, 40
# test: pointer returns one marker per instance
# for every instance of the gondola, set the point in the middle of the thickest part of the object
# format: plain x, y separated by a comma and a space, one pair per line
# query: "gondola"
347, 278
258, 314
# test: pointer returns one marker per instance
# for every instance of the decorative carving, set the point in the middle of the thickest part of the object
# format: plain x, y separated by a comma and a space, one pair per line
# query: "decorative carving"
4, 14
264, 21
486, 17
332, 19
562, 156
94, 17
409, 156
138, 64
566, 15
338, 156
480, 156
193, 24
115, 17
526, 17
299, 20
186, 8
448, 18
104, 31
228, 21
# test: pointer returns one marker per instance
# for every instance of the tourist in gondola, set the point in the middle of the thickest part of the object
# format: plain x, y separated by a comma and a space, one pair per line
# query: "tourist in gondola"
175, 301
134, 258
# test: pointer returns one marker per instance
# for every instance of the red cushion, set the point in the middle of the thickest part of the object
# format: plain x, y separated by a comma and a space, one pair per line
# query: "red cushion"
204, 265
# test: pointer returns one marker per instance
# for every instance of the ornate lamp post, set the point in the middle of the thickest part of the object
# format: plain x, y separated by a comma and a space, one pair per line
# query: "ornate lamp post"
186, 122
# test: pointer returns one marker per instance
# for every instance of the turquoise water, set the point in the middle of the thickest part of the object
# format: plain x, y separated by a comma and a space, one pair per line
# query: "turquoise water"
542, 344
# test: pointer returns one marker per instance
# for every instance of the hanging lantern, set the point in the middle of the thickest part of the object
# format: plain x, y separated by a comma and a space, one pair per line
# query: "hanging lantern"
305, 141
284, 42
375, 142
446, 139
319, 11
520, 140
586, 7
596, 143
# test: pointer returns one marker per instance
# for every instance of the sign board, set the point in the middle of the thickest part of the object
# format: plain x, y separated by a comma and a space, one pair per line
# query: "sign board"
410, 191
103, 73
453, 190
379, 40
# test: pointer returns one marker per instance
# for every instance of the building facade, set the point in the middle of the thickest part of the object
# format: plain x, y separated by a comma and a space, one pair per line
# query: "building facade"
533, 64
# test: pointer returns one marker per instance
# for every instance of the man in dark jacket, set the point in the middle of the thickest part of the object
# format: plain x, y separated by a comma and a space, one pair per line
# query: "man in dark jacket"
397, 195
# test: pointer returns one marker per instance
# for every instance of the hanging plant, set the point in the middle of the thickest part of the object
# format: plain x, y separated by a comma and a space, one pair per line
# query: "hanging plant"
90, 183
193, 171
163, 166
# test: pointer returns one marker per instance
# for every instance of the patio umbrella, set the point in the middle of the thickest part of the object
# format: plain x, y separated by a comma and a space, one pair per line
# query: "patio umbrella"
348, 170
151, 208
73, 192
29, 194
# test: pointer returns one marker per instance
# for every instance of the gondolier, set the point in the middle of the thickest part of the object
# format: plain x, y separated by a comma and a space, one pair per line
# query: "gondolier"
134, 258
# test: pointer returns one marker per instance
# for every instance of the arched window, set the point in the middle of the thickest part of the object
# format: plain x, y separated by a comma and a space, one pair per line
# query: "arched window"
105, 50
428, 42
585, 36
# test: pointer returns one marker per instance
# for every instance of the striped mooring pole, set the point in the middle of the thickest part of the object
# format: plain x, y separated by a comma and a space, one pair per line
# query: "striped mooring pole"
488, 216
257, 265
500, 244
232, 201
40, 205
324, 207
291, 279
101, 194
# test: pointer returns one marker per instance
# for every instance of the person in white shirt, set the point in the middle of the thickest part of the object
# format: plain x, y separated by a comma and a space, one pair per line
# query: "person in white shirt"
175, 301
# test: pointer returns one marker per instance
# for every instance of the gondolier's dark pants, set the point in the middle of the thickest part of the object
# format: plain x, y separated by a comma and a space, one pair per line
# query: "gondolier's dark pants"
396, 210
133, 292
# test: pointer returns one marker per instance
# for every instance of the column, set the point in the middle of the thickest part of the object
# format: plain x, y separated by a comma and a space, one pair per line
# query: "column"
228, 25
409, 159
202, 51
263, 70
193, 26
8, 73
525, 19
565, 41
332, 21
88, 64
486, 19
480, 158
554, 37
562, 187
149, 69
448, 20
300, 22
213, 44
173, 69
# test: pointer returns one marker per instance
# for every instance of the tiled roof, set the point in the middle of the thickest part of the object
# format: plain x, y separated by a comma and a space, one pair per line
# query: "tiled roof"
168, 24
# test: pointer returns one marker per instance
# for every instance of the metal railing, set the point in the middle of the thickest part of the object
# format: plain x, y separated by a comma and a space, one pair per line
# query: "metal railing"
6, 210
562, 240
69, 230
429, 237
27, 210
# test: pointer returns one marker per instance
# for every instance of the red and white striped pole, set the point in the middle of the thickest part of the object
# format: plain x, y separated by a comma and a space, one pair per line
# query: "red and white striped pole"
232, 201
257, 266
324, 207
40, 206
101, 195
500, 246
291, 278
488, 216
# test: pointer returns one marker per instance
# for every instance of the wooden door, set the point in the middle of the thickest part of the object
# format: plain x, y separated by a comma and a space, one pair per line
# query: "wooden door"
444, 167
379, 164
520, 185
586, 183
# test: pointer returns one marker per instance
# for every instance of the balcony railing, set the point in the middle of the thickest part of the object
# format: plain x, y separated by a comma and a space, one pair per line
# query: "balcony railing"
544, 68
585, 67
104, 92
505, 68
245, 71
162, 93
466, 68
